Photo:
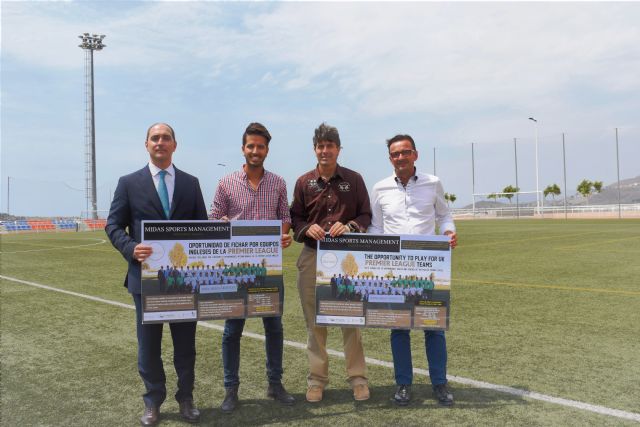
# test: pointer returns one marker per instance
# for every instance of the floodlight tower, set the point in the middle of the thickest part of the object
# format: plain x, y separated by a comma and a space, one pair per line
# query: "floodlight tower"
90, 42
537, 181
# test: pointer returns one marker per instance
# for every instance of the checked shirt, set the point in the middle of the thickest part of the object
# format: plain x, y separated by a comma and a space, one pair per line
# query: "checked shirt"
236, 200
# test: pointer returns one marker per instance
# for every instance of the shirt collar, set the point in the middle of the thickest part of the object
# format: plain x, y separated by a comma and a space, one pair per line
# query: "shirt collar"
414, 178
244, 176
156, 170
337, 173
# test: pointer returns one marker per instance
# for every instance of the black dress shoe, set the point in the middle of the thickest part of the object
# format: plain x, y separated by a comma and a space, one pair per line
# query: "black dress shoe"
189, 412
230, 401
277, 392
443, 395
150, 416
403, 395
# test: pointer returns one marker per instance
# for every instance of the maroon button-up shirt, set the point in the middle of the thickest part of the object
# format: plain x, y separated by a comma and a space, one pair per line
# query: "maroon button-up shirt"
342, 198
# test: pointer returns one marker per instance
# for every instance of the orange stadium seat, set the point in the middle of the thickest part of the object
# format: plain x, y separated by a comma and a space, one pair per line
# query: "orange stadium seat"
41, 225
95, 224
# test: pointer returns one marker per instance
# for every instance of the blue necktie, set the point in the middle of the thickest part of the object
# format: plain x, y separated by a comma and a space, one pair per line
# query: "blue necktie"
164, 193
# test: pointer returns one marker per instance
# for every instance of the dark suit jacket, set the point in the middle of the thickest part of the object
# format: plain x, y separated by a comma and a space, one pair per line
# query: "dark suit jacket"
136, 199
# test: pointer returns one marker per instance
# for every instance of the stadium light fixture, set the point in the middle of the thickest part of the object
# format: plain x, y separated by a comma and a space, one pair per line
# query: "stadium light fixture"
89, 44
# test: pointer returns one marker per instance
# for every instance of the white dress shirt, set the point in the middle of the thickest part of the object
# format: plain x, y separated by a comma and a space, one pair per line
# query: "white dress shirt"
169, 179
414, 209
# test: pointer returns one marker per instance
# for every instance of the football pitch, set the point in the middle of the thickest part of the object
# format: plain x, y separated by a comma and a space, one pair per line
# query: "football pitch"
544, 330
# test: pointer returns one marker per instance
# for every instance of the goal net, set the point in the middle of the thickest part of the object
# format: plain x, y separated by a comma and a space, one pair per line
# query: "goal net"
510, 205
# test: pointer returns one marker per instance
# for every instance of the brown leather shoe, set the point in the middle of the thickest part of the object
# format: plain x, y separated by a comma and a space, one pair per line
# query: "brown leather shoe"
314, 393
150, 416
361, 392
188, 412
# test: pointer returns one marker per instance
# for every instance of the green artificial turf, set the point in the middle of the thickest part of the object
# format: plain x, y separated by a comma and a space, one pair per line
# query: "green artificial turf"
547, 306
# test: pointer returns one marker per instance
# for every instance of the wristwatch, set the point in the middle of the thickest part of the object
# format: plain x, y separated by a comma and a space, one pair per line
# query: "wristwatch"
353, 228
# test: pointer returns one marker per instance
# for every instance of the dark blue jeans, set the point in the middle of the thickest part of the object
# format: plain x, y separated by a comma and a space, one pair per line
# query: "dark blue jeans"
231, 349
436, 356
150, 363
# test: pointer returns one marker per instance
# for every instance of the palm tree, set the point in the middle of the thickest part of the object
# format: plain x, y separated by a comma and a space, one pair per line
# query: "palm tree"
450, 197
585, 188
508, 192
552, 189
597, 186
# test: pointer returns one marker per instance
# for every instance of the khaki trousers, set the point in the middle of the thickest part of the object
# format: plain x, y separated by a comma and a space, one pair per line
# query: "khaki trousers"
317, 335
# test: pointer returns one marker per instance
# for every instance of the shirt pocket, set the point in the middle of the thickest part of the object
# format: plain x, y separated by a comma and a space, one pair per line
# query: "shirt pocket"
422, 199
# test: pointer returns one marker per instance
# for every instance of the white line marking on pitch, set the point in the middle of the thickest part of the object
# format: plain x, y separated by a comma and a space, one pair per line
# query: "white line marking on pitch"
460, 380
100, 242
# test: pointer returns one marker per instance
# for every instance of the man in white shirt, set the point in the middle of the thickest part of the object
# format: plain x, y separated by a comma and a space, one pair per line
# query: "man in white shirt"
412, 202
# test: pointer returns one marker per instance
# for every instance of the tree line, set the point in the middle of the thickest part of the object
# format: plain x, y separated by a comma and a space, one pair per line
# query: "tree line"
585, 188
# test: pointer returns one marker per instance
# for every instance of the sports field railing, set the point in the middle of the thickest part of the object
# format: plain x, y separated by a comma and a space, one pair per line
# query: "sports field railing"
629, 210
46, 225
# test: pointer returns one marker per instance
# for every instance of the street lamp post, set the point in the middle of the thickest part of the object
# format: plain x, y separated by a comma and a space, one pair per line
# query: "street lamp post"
618, 172
434, 160
537, 180
473, 179
224, 168
8, 194
89, 44
515, 157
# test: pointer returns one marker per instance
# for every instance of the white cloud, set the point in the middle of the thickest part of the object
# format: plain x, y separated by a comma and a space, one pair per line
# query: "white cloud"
390, 58
435, 57
148, 35
465, 72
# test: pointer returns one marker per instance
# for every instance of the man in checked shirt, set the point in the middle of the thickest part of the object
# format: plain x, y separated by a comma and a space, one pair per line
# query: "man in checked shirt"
253, 193
328, 199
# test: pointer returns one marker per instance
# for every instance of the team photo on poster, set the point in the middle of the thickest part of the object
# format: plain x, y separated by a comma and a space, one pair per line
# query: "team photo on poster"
384, 281
211, 270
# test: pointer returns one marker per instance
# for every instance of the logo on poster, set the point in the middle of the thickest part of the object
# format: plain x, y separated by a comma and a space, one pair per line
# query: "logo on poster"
329, 260
157, 251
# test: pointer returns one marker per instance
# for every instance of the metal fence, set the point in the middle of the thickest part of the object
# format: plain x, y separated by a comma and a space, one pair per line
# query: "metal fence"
631, 210
51, 225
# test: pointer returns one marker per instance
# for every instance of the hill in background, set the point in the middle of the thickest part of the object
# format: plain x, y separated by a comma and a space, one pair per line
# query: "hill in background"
629, 193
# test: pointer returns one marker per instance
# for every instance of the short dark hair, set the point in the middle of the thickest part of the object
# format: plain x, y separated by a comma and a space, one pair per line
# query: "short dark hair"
327, 133
398, 138
173, 134
256, 129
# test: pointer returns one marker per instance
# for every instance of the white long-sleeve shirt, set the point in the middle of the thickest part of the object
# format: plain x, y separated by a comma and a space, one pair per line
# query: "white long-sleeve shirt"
414, 209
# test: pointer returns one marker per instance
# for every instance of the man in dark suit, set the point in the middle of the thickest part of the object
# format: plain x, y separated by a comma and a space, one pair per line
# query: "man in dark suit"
156, 192
162, 280
334, 286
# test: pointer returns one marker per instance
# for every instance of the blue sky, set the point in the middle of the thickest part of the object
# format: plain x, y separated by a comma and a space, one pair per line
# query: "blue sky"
449, 74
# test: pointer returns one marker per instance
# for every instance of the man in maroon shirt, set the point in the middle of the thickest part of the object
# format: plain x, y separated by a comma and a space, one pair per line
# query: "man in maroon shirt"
328, 199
